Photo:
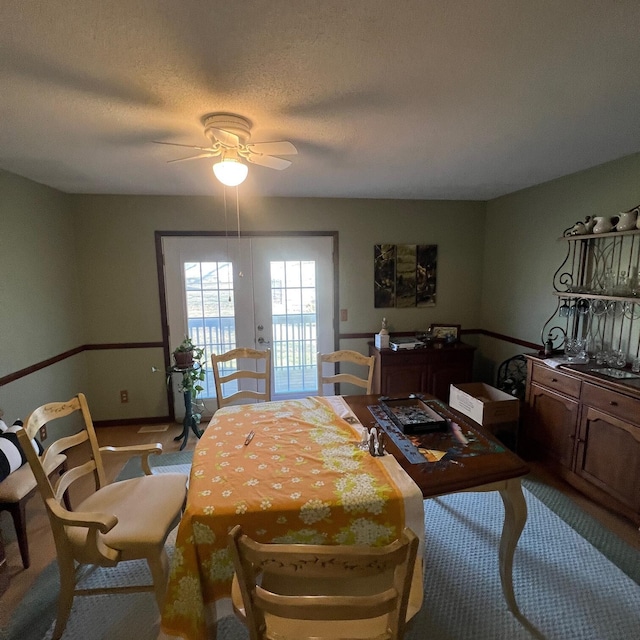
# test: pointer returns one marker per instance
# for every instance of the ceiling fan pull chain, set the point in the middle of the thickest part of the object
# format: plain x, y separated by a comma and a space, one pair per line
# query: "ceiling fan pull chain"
240, 274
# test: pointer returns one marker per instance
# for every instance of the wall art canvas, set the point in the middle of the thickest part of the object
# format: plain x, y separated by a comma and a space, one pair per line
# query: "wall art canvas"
405, 275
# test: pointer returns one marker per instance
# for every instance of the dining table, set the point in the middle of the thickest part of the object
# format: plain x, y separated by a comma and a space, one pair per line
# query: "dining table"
287, 471
463, 456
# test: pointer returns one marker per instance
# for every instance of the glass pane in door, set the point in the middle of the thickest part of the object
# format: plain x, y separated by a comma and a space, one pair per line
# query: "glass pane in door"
260, 292
294, 326
211, 312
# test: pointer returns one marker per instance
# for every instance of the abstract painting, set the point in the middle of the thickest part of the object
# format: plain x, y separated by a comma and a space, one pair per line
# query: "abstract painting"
405, 275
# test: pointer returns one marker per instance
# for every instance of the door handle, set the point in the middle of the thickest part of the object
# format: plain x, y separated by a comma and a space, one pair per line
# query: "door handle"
261, 340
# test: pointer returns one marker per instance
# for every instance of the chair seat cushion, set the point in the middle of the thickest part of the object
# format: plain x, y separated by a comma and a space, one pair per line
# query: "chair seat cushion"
21, 482
145, 507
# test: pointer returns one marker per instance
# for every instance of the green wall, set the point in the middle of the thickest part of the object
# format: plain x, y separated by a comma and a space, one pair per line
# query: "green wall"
80, 269
40, 310
118, 279
522, 249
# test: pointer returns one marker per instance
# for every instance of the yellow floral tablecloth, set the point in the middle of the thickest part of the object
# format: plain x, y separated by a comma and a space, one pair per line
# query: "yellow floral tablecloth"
300, 479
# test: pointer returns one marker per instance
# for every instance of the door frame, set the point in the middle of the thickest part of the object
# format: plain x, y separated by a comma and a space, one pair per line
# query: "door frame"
159, 235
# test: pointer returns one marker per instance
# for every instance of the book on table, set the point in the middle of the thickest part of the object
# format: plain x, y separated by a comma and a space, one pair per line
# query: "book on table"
405, 343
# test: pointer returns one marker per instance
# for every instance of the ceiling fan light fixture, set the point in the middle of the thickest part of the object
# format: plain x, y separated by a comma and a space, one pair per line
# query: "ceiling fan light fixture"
230, 172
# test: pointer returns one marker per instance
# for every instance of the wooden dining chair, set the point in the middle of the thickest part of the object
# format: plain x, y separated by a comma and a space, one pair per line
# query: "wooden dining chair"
16, 490
127, 520
298, 591
351, 357
225, 372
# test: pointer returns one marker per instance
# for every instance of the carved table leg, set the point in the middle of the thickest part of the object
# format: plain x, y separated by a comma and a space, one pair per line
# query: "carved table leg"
515, 517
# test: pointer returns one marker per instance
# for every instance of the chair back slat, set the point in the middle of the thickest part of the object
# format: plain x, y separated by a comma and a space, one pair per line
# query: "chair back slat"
261, 377
51, 411
350, 357
64, 443
326, 607
67, 478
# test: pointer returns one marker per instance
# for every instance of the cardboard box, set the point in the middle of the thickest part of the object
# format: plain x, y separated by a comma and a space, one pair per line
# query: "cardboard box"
483, 403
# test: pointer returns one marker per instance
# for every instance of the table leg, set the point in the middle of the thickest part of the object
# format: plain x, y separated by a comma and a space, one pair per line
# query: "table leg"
515, 517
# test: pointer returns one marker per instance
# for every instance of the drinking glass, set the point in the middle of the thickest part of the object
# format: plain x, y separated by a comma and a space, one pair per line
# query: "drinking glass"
617, 359
570, 348
582, 306
608, 282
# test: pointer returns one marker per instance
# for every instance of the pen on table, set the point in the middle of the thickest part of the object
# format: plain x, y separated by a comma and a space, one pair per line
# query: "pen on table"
249, 437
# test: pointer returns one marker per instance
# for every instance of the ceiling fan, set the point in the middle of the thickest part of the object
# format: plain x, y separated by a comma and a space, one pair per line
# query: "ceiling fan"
229, 135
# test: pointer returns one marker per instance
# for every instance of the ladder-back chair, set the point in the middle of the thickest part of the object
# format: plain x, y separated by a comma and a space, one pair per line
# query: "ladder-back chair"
298, 591
126, 520
224, 372
351, 357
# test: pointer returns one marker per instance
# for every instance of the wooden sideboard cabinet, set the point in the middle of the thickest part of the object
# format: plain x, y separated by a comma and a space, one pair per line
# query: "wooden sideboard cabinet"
586, 427
553, 399
428, 370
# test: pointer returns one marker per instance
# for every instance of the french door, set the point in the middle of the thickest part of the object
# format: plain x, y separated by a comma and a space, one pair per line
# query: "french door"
258, 292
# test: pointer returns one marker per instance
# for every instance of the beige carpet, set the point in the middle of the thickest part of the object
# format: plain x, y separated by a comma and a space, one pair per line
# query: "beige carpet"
565, 587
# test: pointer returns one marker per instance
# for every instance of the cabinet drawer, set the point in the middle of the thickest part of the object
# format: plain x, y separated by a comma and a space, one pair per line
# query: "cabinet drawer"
554, 379
615, 404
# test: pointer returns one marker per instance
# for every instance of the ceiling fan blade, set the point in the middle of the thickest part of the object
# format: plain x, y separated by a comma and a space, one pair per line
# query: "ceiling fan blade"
282, 148
188, 146
206, 154
225, 137
269, 161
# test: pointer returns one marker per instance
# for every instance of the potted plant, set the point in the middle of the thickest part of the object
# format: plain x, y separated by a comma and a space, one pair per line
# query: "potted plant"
185, 353
190, 384
188, 361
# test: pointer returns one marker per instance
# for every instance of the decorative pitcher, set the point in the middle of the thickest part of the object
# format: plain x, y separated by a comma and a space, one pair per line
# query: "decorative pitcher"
603, 224
627, 221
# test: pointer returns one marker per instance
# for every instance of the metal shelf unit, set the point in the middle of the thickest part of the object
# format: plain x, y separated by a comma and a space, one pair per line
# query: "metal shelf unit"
598, 293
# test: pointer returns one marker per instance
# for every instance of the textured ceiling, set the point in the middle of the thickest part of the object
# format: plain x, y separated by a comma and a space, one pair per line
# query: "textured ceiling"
405, 99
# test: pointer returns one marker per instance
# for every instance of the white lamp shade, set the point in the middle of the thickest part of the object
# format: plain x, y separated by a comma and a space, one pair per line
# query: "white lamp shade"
230, 172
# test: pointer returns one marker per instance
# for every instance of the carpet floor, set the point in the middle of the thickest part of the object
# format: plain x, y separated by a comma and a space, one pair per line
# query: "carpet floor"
573, 579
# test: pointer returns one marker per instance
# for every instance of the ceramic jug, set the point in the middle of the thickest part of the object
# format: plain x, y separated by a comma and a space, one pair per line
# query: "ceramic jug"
603, 224
589, 223
627, 221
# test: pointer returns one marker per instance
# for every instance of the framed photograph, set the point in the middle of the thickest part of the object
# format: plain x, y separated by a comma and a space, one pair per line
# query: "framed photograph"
450, 332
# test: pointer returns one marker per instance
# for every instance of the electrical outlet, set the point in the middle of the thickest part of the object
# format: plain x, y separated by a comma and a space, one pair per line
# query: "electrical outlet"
43, 432
124, 396
343, 315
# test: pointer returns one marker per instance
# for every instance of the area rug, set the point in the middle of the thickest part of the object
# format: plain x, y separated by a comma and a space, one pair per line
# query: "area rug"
567, 589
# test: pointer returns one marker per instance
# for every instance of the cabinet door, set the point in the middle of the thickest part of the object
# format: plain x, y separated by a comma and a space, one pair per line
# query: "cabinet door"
551, 424
403, 379
442, 377
608, 456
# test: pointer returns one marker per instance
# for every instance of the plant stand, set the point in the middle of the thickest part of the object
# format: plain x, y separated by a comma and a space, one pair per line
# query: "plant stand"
190, 421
